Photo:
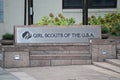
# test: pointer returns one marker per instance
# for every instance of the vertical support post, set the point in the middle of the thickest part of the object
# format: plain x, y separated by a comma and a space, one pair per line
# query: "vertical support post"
85, 12
25, 8
30, 12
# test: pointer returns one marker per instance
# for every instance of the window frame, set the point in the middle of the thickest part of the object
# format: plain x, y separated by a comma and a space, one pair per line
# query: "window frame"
1, 11
90, 6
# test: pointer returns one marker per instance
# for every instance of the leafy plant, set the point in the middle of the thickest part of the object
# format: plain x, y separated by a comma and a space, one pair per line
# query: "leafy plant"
110, 23
104, 30
94, 20
59, 20
8, 36
116, 30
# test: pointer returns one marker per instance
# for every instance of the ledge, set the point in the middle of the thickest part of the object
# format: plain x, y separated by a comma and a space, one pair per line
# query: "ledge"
54, 44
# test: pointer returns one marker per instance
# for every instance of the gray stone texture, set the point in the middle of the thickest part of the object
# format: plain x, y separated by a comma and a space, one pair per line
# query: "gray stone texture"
60, 54
81, 62
60, 62
103, 49
54, 55
40, 63
10, 61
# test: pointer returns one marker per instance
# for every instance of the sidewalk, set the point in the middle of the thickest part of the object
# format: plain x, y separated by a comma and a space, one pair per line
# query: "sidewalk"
75, 72
5, 75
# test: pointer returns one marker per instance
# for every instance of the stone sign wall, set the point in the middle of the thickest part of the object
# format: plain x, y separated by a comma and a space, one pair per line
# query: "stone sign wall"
69, 34
60, 54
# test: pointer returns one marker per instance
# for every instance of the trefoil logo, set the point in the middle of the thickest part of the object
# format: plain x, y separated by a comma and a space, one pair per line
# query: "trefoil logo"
26, 35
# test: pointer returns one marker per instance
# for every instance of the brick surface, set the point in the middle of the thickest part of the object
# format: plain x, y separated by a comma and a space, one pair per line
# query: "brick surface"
60, 62
103, 49
103, 41
118, 51
11, 62
60, 57
36, 63
81, 62
95, 49
118, 46
42, 54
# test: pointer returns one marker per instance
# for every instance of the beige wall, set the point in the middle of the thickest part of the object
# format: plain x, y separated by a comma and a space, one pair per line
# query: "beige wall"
1, 29
44, 7
13, 15
41, 8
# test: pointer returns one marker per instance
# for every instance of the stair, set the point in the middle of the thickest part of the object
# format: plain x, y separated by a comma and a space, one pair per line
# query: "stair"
115, 62
60, 55
110, 64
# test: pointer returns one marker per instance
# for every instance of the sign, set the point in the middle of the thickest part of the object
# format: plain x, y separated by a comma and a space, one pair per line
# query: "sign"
56, 34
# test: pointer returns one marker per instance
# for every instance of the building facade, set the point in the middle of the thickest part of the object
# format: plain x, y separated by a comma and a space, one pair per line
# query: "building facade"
12, 11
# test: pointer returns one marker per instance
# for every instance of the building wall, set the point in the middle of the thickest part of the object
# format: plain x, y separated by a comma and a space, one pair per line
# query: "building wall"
14, 12
41, 8
13, 15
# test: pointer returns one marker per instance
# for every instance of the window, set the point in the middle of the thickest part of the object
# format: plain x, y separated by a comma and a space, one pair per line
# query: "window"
93, 4
1, 11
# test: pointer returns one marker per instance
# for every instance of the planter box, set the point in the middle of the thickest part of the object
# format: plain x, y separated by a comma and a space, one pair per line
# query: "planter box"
7, 42
105, 36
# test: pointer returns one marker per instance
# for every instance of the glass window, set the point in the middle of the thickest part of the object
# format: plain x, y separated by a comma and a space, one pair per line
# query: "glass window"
1, 11
77, 4
72, 4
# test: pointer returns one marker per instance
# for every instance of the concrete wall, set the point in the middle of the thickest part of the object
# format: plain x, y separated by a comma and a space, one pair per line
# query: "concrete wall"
102, 49
2, 29
45, 55
41, 8
13, 15
14, 12
118, 48
59, 54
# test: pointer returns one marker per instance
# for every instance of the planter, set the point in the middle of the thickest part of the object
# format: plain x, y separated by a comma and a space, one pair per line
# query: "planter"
7, 42
105, 36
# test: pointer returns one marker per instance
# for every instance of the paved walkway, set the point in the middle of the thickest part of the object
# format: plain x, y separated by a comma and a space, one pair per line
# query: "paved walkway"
76, 72
5, 75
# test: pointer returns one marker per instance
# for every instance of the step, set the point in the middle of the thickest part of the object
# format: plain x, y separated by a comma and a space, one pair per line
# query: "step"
59, 47
108, 66
118, 56
114, 61
102, 70
58, 52
60, 57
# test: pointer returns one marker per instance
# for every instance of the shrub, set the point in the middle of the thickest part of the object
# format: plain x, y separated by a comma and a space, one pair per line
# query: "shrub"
116, 30
8, 36
59, 20
110, 23
104, 30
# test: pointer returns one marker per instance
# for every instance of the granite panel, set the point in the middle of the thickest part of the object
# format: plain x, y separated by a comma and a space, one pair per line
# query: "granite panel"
10, 60
81, 62
59, 57
60, 62
36, 63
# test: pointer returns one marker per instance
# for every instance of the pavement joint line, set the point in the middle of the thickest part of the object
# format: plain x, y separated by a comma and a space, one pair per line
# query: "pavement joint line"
22, 76
105, 71
108, 66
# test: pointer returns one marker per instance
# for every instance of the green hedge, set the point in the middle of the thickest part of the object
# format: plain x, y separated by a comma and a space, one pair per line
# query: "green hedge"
110, 23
